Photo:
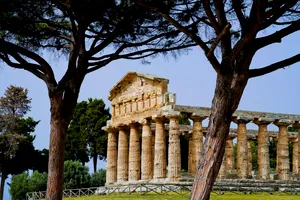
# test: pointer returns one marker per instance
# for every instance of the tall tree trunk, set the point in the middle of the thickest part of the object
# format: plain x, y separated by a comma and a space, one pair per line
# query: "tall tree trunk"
228, 92
3, 178
95, 158
59, 126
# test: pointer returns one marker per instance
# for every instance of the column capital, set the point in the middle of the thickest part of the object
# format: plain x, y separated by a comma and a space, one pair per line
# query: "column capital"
294, 140
283, 122
158, 118
173, 115
263, 121
297, 124
121, 126
133, 123
240, 119
145, 121
197, 118
109, 129
230, 137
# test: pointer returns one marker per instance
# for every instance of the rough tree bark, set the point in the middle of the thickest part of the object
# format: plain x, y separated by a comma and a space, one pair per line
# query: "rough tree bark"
56, 149
62, 105
3, 177
95, 157
228, 92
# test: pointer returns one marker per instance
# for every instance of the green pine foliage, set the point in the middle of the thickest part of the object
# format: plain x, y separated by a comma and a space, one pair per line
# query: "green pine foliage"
85, 137
75, 175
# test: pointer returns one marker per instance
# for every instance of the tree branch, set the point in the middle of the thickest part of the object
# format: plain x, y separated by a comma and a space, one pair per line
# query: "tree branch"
237, 6
10, 47
277, 36
217, 40
210, 15
26, 66
273, 67
213, 60
138, 54
278, 13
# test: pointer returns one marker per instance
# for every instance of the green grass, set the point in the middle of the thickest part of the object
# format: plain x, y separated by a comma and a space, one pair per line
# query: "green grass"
171, 196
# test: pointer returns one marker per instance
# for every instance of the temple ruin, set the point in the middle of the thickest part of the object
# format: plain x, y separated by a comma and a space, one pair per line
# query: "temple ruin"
143, 147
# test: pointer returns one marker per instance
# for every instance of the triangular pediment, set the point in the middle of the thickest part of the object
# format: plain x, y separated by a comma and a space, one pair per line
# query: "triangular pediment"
137, 80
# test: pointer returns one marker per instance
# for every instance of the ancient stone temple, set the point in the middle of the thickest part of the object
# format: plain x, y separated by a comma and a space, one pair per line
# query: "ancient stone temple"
144, 136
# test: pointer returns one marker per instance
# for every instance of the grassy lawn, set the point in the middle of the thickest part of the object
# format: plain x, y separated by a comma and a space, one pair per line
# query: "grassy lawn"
169, 196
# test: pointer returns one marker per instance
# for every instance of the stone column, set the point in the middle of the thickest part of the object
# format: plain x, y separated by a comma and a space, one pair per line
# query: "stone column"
112, 155
229, 156
249, 158
122, 169
298, 176
174, 162
295, 156
222, 171
134, 154
242, 148
197, 142
190, 153
297, 124
153, 152
263, 156
147, 161
160, 161
283, 150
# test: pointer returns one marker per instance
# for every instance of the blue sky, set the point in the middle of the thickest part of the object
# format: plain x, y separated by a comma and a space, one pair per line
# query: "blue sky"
191, 78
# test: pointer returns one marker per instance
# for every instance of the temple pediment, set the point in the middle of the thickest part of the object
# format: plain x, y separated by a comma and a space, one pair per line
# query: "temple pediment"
138, 93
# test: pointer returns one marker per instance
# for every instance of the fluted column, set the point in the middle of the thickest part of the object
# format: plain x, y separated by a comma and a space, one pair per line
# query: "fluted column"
122, 169
160, 161
174, 162
229, 156
147, 161
112, 155
297, 124
298, 176
197, 142
134, 154
242, 148
190, 154
283, 150
249, 158
222, 171
295, 156
263, 156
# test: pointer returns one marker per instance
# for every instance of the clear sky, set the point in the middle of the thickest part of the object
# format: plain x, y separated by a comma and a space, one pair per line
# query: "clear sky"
191, 78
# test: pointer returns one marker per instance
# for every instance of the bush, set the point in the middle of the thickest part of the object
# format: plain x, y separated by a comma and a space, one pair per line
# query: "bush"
76, 175
98, 178
23, 183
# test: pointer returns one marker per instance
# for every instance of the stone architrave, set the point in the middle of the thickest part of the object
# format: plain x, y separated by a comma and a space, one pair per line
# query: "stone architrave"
283, 150
134, 154
147, 162
160, 150
122, 169
229, 156
263, 156
174, 162
112, 154
295, 156
197, 142
242, 148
